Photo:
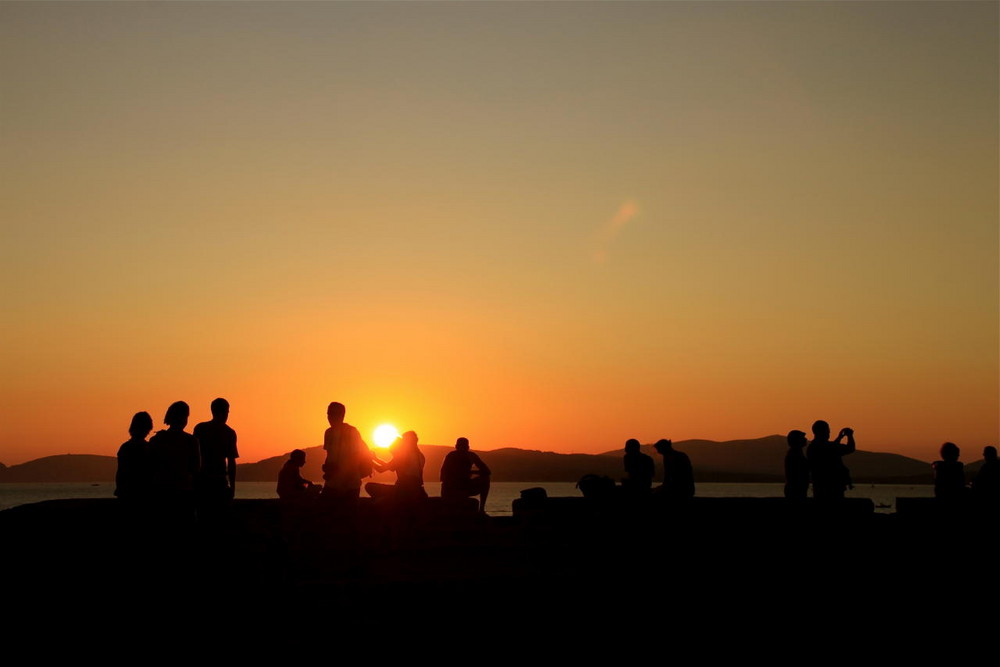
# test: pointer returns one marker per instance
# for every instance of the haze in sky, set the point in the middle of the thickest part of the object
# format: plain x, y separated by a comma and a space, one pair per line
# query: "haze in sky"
543, 225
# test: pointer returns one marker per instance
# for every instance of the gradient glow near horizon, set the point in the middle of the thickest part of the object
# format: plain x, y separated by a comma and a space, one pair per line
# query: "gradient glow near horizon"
553, 226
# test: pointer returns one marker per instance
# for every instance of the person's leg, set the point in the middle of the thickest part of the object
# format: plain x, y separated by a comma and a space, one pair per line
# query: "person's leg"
483, 486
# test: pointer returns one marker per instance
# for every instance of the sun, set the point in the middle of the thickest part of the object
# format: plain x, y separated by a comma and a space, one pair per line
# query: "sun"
385, 435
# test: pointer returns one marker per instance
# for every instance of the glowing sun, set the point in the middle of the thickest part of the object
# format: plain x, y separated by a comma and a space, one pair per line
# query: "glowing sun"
385, 435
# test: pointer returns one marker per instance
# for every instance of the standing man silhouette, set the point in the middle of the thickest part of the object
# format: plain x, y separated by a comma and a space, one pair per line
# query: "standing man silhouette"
348, 458
217, 479
830, 477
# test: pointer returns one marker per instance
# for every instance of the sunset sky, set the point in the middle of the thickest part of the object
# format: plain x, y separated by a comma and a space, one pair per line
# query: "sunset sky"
543, 225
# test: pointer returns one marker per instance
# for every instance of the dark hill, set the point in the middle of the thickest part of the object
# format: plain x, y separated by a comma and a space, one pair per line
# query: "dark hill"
63, 468
757, 460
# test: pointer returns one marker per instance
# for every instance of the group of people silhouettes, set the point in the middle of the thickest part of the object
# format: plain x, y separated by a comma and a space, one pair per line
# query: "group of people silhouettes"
197, 471
349, 461
820, 461
949, 477
176, 470
678, 474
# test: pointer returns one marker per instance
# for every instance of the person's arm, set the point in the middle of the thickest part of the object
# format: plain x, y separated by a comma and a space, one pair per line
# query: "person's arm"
380, 465
481, 467
367, 457
234, 454
849, 447
195, 458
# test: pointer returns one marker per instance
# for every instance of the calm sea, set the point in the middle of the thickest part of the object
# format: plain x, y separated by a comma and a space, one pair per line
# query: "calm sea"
502, 494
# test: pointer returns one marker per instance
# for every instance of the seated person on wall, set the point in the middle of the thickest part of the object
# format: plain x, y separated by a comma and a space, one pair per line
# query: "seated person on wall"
986, 484
678, 475
408, 464
459, 480
639, 470
949, 475
291, 484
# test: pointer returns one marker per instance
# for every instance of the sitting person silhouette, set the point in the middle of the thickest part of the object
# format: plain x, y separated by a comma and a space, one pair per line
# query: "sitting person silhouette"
949, 474
132, 479
796, 467
291, 484
639, 470
678, 475
458, 478
408, 464
986, 484
830, 477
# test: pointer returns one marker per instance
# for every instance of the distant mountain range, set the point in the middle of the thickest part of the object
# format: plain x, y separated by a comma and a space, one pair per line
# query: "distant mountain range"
759, 460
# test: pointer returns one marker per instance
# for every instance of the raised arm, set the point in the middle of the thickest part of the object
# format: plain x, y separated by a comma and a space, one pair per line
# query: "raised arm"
849, 447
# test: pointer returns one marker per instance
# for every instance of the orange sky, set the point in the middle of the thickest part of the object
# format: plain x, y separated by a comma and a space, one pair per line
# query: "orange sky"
553, 226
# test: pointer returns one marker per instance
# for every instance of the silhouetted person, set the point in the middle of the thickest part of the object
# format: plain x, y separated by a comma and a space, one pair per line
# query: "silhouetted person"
217, 479
949, 474
830, 477
132, 479
348, 458
175, 459
291, 484
986, 485
796, 467
639, 470
408, 464
678, 475
463, 474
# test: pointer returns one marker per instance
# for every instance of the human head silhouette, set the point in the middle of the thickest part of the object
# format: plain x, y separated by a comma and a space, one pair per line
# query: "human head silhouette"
950, 451
462, 444
821, 430
298, 457
335, 413
177, 414
663, 446
408, 440
990, 453
220, 410
631, 446
141, 425
796, 439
